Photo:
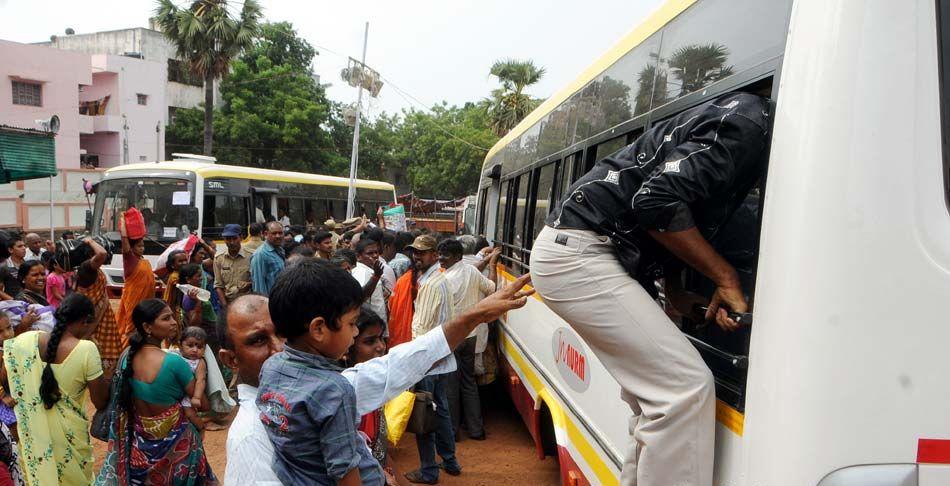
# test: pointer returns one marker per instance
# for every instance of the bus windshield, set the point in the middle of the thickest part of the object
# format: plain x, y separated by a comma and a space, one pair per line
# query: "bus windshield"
164, 203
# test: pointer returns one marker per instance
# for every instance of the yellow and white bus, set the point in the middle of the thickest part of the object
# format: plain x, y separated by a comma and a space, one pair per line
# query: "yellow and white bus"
844, 378
194, 193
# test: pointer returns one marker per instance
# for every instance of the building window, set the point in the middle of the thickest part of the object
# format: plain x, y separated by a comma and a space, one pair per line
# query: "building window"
27, 93
143, 99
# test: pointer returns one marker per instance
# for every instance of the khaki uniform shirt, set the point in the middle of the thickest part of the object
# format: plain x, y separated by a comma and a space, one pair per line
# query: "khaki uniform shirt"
233, 274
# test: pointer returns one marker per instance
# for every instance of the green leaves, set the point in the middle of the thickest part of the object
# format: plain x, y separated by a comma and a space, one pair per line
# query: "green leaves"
509, 104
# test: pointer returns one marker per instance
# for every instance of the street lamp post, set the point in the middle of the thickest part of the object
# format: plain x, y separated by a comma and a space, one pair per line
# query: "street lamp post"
354, 158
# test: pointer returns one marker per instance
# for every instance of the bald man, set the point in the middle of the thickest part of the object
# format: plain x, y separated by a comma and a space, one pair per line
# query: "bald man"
34, 246
250, 338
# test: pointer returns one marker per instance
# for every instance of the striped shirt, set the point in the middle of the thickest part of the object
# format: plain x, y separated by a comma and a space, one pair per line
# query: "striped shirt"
433, 305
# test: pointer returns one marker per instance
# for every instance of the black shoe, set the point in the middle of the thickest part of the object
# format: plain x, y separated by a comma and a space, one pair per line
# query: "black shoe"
416, 477
450, 472
477, 437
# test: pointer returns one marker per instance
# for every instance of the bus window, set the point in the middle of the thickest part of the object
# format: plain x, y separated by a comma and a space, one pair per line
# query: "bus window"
482, 205
520, 212
221, 210
543, 197
502, 220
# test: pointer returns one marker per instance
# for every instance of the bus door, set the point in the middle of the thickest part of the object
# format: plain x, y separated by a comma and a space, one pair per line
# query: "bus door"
265, 203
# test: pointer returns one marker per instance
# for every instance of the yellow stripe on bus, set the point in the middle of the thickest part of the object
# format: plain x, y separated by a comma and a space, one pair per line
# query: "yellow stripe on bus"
560, 419
728, 416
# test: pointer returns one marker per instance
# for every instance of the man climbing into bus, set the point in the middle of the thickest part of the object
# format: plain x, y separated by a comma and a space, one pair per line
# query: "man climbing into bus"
662, 198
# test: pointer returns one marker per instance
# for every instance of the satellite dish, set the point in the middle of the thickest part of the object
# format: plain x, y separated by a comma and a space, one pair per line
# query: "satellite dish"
54, 124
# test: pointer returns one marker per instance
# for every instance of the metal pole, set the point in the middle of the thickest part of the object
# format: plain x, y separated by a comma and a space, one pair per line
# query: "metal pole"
354, 159
158, 144
52, 236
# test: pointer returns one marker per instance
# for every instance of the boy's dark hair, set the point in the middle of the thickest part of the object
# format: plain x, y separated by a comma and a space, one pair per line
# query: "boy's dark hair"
403, 239
365, 243
187, 271
373, 234
450, 247
194, 332
311, 289
320, 236
255, 229
346, 254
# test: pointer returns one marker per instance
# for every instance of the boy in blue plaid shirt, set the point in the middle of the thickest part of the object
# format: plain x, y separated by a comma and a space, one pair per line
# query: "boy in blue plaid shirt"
307, 406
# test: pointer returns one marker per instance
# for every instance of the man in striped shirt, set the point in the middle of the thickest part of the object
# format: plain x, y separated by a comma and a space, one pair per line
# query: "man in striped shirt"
433, 308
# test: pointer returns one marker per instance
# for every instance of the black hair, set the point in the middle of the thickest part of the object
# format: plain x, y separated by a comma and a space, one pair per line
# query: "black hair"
403, 239
12, 241
87, 274
388, 239
74, 308
147, 311
364, 243
348, 235
307, 237
481, 244
194, 332
345, 254
187, 271
319, 236
170, 259
134, 241
289, 246
375, 234
311, 289
302, 250
25, 268
5, 245
450, 247
48, 260
255, 229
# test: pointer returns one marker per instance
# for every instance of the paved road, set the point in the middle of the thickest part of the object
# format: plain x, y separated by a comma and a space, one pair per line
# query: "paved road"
507, 457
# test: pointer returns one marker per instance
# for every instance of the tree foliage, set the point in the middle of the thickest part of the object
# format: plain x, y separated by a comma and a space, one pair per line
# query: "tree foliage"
208, 37
509, 104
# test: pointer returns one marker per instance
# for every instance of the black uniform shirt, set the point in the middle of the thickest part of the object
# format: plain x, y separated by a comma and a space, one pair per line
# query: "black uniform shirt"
691, 170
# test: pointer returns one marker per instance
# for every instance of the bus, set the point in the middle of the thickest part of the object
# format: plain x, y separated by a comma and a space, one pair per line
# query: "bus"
193, 193
843, 378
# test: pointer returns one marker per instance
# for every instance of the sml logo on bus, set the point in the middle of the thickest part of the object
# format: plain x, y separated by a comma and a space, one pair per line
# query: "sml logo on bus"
568, 355
215, 185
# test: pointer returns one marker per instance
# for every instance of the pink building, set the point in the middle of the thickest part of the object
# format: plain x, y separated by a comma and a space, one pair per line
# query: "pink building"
109, 109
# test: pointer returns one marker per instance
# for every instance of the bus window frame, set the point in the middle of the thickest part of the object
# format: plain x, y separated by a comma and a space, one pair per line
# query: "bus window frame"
942, 17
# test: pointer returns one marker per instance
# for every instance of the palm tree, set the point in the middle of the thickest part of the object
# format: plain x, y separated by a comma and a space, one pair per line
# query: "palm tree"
699, 65
509, 104
208, 37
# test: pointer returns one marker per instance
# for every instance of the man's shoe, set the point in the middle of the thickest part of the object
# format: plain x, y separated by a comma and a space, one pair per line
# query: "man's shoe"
416, 477
477, 437
450, 471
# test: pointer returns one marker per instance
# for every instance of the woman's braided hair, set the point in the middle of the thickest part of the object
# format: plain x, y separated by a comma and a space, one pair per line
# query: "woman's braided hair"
74, 309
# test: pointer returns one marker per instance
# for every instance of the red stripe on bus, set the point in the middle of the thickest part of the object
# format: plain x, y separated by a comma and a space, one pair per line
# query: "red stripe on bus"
933, 451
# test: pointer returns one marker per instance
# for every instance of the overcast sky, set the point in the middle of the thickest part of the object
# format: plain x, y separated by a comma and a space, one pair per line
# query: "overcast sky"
433, 50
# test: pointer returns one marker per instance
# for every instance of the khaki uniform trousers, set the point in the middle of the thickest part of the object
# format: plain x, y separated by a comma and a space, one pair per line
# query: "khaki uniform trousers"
662, 377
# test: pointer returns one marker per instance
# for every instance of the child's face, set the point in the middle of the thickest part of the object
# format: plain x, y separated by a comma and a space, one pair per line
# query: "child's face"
195, 279
369, 344
336, 343
6, 330
192, 348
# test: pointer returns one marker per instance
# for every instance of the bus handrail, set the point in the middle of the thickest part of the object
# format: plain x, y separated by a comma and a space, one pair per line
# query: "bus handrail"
737, 361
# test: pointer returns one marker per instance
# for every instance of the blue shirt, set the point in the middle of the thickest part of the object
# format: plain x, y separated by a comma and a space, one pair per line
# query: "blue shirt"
309, 412
266, 263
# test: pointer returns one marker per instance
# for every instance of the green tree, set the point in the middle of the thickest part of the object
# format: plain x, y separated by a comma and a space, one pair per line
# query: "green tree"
509, 104
696, 66
208, 37
279, 42
442, 149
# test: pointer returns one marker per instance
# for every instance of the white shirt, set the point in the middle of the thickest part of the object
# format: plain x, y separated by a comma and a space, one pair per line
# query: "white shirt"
468, 286
433, 306
285, 221
33, 256
389, 278
249, 450
377, 301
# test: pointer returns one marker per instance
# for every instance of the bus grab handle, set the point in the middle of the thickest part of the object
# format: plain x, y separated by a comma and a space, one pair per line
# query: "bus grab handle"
743, 319
737, 361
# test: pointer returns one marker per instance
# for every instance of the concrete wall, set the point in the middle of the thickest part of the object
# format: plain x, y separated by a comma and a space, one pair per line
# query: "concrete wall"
25, 204
60, 73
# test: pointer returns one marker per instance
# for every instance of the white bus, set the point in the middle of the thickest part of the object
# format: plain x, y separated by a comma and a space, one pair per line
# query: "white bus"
194, 193
844, 377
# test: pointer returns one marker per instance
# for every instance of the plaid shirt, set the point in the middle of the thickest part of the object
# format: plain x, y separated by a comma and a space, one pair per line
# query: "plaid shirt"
309, 411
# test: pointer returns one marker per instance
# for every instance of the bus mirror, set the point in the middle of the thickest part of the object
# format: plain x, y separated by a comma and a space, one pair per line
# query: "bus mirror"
191, 218
88, 221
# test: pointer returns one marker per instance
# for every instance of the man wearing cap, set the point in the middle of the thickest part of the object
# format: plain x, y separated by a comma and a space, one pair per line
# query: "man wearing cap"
232, 267
433, 308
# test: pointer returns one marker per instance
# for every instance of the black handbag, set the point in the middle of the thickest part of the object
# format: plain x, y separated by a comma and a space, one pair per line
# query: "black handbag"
423, 418
102, 419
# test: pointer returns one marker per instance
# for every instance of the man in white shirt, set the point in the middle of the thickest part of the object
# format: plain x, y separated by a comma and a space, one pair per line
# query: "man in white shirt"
250, 338
374, 286
468, 286
34, 247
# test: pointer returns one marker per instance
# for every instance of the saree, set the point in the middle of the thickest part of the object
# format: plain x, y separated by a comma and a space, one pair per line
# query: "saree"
140, 285
400, 311
158, 450
55, 447
107, 335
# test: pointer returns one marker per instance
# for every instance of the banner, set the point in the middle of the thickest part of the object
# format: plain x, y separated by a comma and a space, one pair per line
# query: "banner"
395, 218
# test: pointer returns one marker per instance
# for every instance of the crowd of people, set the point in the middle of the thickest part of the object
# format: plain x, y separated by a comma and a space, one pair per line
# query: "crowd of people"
315, 331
